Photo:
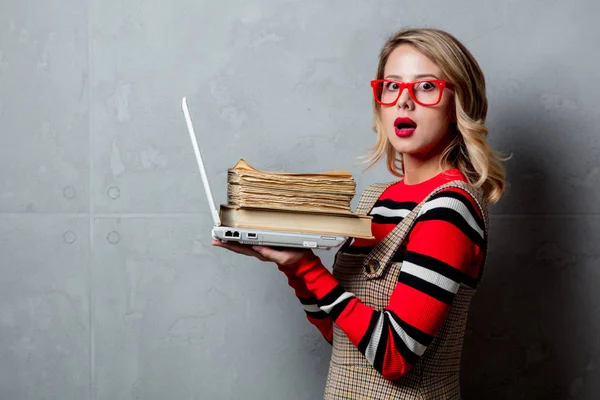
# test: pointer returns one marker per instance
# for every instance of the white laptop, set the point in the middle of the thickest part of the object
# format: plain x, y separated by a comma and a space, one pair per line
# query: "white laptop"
253, 236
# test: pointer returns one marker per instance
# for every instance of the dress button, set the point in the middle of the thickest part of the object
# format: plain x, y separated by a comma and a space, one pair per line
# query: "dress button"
372, 266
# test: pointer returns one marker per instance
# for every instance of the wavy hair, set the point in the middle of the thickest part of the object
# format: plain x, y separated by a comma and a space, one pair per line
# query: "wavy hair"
468, 150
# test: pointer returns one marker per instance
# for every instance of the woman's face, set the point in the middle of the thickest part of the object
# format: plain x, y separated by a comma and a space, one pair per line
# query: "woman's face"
426, 127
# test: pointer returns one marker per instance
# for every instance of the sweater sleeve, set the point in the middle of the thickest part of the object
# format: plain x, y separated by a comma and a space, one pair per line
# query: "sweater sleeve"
320, 319
445, 250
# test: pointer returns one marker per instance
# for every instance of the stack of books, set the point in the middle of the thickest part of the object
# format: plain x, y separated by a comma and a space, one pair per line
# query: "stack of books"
306, 203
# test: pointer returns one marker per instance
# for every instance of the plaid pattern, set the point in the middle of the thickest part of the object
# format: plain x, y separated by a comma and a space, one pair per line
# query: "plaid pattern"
372, 278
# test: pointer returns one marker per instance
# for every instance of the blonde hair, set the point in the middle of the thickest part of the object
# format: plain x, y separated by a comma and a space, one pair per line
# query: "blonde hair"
469, 150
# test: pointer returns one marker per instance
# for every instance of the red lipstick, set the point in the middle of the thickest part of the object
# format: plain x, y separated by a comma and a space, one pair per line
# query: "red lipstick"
404, 127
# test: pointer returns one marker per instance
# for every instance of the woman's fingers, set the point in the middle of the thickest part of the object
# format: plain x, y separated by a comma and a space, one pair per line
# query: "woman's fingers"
263, 253
240, 249
282, 257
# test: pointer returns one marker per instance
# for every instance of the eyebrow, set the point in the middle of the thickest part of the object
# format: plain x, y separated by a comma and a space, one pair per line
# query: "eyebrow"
416, 76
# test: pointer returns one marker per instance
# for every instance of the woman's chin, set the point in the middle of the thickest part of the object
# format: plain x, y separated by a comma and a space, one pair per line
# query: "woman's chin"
401, 145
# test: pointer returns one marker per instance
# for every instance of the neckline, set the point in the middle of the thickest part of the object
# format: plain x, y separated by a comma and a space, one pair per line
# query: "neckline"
449, 172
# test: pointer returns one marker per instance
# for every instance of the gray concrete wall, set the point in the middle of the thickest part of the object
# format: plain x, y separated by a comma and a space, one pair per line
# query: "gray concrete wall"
109, 287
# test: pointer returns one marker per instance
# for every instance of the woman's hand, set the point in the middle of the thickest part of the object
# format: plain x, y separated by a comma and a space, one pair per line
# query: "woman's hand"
263, 253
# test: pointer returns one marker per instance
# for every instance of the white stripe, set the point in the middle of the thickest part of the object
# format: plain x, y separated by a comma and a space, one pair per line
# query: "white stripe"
411, 343
374, 342
430, 276
343, 297
311, 308
389, 212
453, 204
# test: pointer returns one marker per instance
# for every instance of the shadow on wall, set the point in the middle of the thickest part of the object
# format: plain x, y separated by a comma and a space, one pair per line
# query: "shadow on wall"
529, 334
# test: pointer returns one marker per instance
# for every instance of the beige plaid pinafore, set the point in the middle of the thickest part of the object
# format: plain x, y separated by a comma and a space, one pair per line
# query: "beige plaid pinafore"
372, 278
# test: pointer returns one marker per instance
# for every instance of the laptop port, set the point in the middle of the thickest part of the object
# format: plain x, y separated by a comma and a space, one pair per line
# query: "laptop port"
236, 234
252, 235
228, 234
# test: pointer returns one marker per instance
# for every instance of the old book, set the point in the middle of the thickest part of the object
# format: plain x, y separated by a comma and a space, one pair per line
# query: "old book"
328, 191
342, 224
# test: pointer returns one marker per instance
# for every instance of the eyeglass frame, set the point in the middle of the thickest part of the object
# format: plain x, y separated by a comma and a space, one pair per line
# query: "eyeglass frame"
410, 85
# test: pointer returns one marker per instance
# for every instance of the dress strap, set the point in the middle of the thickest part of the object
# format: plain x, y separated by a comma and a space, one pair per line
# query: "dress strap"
376, 261
367, 200
370, 196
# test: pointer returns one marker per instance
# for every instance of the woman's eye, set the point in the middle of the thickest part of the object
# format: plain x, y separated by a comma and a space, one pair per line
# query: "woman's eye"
392, 86
426, 86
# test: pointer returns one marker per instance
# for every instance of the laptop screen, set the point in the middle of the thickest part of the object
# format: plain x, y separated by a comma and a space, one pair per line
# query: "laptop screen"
209, 196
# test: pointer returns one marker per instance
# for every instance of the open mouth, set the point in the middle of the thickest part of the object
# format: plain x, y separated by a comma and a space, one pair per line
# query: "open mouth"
404, 126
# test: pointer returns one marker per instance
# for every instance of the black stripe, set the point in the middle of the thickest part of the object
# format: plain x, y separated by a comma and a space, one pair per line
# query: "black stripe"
455, 218
331, 297
398, 256
426, 287
308, 300
364, 342
317, 314
466, 201
380, 219
402, 348
338, 308
380, 352
395, 205
440, 267
392, 205
415, 333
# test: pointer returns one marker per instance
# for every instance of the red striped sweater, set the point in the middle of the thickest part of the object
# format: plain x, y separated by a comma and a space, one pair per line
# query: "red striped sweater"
445, 249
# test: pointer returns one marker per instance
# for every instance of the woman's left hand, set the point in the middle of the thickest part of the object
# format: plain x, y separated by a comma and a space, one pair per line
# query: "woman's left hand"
263, 253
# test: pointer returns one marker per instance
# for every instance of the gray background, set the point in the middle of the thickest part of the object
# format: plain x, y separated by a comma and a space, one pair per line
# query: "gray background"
109, 287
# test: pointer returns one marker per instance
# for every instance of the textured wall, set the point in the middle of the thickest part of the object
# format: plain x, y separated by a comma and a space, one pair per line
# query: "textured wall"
110, 289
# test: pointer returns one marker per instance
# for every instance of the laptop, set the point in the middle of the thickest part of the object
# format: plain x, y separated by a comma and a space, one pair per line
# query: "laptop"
254, 236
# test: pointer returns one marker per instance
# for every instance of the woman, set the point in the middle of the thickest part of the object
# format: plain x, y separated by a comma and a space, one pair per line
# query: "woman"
395, 307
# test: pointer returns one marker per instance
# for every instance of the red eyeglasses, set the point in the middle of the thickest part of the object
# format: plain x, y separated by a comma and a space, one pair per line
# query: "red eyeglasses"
426, 92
